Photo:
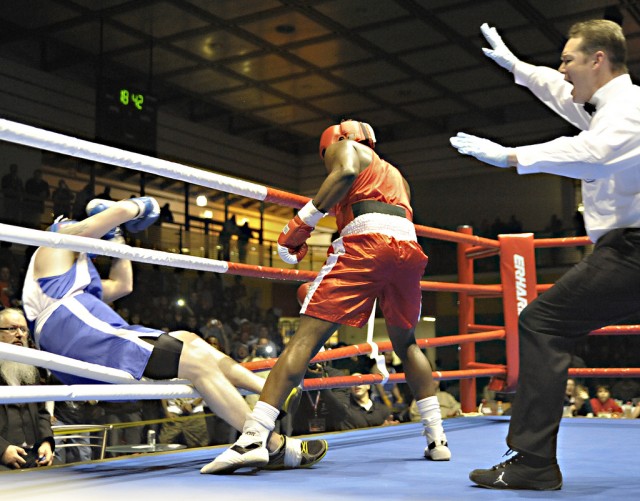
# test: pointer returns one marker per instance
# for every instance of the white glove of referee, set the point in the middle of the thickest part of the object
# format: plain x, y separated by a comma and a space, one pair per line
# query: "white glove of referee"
484, 150
499, 52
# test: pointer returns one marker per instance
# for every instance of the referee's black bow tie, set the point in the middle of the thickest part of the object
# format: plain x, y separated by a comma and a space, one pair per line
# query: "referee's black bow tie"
590, 108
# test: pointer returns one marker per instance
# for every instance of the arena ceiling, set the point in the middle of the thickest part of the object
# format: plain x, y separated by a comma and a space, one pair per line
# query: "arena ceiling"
279, 71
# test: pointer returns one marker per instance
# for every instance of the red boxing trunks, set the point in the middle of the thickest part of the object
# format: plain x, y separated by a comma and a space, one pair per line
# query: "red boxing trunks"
377, 256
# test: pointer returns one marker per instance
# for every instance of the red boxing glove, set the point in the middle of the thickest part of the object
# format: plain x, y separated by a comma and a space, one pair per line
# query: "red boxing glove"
292, 246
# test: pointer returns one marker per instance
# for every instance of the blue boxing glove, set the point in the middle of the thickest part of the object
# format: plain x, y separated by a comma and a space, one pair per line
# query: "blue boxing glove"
149, 211
98, 205
115, 235
484, 150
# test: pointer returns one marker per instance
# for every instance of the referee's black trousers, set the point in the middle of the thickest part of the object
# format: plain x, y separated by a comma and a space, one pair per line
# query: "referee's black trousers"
603, 289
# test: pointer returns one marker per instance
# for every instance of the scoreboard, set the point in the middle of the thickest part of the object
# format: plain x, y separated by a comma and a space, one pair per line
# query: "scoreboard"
126, 117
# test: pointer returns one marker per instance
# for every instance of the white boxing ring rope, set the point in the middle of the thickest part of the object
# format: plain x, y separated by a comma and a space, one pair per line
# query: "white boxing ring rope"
106, 392
121, 381
59, 143
28, 236
132, 389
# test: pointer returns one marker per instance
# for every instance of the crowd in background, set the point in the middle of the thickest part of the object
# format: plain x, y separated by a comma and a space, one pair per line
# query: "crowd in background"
228, 315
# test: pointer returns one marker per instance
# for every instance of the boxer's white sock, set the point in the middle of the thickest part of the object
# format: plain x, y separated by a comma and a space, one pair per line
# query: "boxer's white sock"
259, 424
431, 417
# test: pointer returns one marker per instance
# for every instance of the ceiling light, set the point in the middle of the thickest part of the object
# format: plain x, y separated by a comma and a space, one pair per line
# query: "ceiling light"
201, 201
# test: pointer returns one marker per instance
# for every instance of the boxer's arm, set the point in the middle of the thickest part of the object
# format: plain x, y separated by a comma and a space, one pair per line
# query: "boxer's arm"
343, 163
50, 262
120, 281
97, 225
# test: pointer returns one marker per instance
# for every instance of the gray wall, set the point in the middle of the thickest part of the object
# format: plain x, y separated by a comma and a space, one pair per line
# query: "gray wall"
47, 101
447, 189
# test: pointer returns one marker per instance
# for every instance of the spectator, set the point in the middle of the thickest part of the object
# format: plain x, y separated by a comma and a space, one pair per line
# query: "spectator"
214, 329
449, 406
121, 413
36, 191
213, 341
513, 225
259, 351
244, 235
245, 334
389, 393
322, 410
272, 334
70, 413
166, 216
554, 227
193, 325
8, 258
583, 403
229, 229
603, 405
12, 191
265, 348
576, 400
363, 412
9, 288
626, 389
82, 198
26, 438
191, 432
62, 200
238, 291
498, 227
240, 352
106, 194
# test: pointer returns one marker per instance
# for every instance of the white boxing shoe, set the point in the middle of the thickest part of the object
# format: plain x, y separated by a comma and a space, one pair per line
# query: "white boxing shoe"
438, 448
437, 451
245, 453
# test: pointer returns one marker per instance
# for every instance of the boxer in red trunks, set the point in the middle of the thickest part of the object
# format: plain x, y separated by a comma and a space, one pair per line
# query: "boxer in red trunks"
376, 257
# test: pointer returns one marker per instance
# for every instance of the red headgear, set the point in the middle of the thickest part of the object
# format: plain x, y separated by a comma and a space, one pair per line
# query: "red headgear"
348, 129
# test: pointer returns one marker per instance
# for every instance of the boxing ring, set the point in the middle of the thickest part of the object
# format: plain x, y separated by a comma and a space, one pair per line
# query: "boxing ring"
360, 464
376, 463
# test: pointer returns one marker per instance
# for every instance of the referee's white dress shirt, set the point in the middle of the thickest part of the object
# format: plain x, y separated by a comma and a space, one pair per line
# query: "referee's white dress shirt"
605, 155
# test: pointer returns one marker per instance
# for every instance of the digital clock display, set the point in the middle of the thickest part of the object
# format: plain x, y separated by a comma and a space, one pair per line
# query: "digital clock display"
126, 117
131, 98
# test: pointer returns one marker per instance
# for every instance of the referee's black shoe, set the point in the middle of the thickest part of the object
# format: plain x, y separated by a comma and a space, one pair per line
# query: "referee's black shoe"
518, 473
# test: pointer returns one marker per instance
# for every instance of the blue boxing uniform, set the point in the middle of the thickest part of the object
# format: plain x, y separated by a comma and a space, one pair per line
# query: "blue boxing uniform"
68, 317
